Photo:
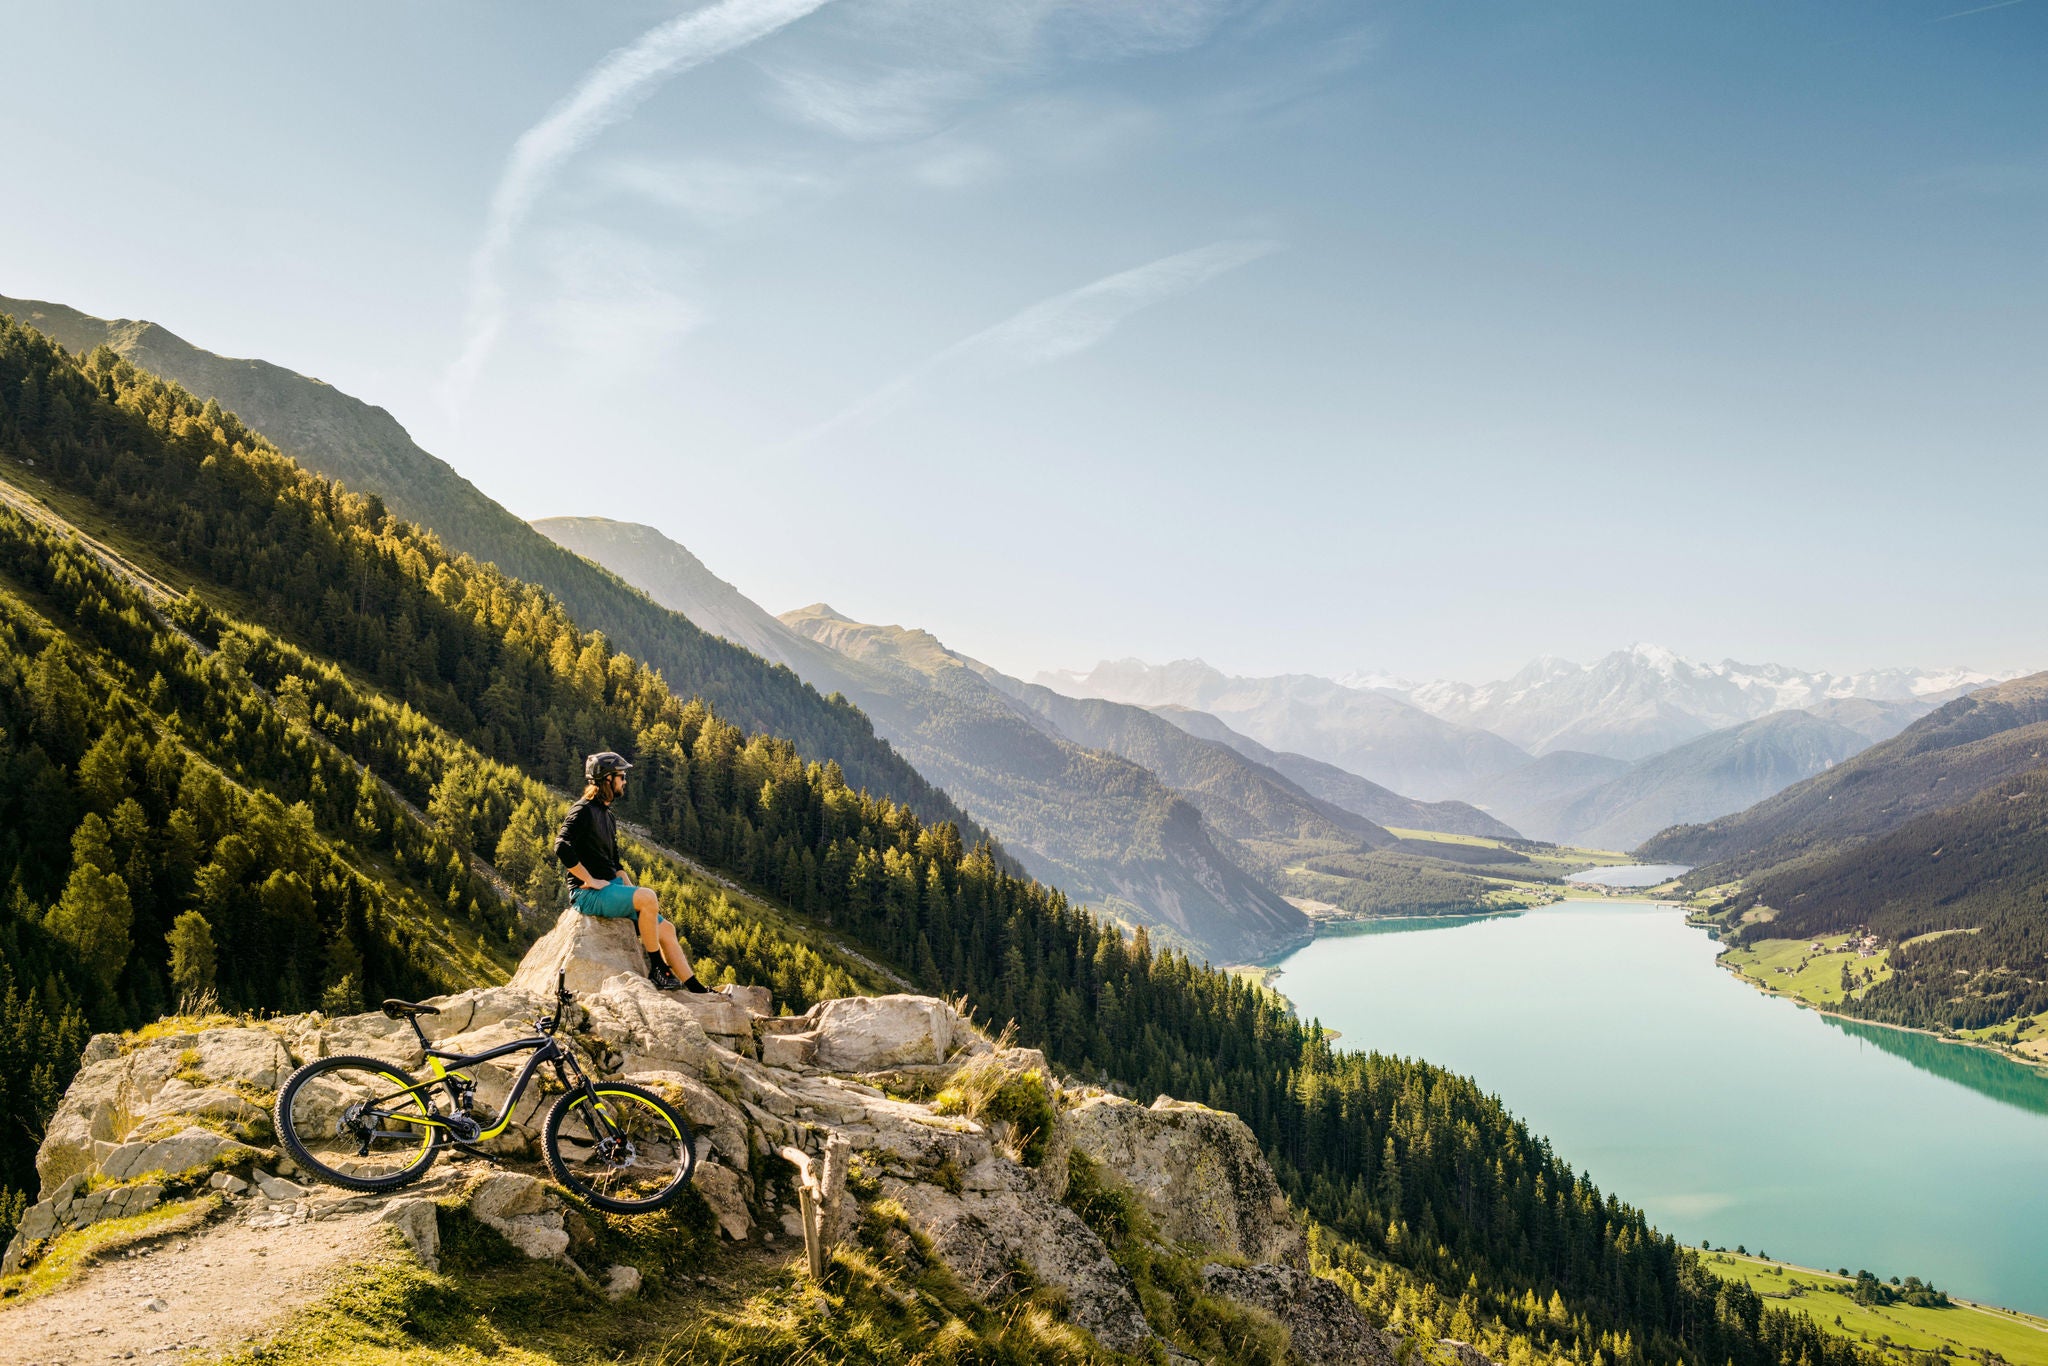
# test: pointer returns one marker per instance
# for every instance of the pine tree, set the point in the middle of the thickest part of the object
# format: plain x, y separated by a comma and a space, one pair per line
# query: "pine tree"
193, 958
94, 915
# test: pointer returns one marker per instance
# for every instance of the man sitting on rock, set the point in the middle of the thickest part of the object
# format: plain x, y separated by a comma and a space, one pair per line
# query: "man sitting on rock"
588, 846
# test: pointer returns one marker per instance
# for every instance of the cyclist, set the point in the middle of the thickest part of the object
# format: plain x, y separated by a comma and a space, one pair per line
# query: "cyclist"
588, 847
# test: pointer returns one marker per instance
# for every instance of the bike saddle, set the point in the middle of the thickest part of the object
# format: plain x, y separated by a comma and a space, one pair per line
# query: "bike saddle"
405, 1010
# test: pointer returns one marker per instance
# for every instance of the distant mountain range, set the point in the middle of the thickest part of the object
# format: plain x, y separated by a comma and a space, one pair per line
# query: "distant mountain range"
1722, 771
1965, 748
1645, 700
1373, 734
1602, 755
1342, 788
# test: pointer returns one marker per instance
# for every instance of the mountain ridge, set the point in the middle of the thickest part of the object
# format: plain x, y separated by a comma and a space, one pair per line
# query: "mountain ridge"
1090, 822
364, 447
1372, 734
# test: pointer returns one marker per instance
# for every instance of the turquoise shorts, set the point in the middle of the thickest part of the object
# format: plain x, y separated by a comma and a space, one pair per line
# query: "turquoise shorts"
613, 900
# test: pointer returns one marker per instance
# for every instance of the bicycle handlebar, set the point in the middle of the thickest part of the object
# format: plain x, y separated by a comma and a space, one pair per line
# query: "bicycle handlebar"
548, 1023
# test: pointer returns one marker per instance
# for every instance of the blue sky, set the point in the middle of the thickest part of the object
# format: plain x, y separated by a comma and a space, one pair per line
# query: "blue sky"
1300, 336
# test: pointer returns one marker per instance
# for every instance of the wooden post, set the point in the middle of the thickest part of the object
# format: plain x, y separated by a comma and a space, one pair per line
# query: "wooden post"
809, 1196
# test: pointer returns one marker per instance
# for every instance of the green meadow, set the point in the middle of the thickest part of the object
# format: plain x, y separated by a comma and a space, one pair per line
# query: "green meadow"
1898, 1332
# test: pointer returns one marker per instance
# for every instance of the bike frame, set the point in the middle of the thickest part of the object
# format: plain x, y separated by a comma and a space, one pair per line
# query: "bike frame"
446, 1073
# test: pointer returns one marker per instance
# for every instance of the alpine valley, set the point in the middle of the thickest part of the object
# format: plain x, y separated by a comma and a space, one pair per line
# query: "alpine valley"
272, 748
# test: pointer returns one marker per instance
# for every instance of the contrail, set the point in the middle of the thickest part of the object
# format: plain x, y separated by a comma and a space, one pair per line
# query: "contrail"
1981, 9
1055, 328
602, 98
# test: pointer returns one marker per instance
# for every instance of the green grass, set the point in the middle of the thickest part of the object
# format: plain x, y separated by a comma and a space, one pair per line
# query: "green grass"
1795, 968
1894, 1330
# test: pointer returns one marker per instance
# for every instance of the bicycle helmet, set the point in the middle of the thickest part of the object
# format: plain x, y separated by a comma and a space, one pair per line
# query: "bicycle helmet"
599, 766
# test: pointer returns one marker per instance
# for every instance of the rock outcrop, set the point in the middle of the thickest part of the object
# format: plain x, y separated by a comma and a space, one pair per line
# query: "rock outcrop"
186, 1111
1198, 1172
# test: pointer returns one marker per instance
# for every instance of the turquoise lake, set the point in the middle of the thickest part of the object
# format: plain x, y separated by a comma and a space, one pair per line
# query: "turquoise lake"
1723, 1113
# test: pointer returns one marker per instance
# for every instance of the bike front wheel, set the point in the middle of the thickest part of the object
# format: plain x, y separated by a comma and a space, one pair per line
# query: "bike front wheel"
619, 1146
357, 1123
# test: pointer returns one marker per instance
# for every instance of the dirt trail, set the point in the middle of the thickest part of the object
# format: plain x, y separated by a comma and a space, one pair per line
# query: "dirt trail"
210, 1290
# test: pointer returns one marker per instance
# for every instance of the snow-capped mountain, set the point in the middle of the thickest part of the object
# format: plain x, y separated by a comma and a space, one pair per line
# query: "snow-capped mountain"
1644, 700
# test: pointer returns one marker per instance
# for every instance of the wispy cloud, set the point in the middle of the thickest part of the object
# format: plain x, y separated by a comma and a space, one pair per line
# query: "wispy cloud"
606, 95
871, 106
922, 59
1051, 329
713, 192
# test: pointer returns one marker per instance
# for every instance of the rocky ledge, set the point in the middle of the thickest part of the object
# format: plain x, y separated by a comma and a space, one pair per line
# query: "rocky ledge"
980, 1165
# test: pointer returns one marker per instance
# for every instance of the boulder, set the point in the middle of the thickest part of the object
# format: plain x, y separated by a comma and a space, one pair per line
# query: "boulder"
876, 1033
179, 1152
1325, 1326
621, 1282
279, 1189
151, 1092
985, 1235
756, 1001
588, 948
419, 1222
1198, 1172
725, 1190
523, 1209
792, 1051
653, 1031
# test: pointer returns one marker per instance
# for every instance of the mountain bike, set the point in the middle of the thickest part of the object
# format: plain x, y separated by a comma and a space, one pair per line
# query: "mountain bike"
367, 1125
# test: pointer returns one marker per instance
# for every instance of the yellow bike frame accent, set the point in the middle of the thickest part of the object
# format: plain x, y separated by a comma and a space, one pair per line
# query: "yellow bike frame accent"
440, 1072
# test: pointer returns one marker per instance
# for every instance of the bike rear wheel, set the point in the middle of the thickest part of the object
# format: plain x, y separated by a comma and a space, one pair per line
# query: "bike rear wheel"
629, 1153
356, 1123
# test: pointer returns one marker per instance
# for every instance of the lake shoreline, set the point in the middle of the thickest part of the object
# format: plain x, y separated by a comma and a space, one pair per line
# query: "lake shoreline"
2033, 1064
1573, 1014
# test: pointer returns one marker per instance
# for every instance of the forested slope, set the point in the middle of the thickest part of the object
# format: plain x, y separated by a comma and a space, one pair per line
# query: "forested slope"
1447, 1213
1247, 801
1103, 828
1726, 770
1943, 828
1943, 758
1980, 866
364, 448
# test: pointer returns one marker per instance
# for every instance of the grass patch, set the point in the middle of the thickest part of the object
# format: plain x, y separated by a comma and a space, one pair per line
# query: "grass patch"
1814, 975
989, 1093
1899, 1333
69, 1252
